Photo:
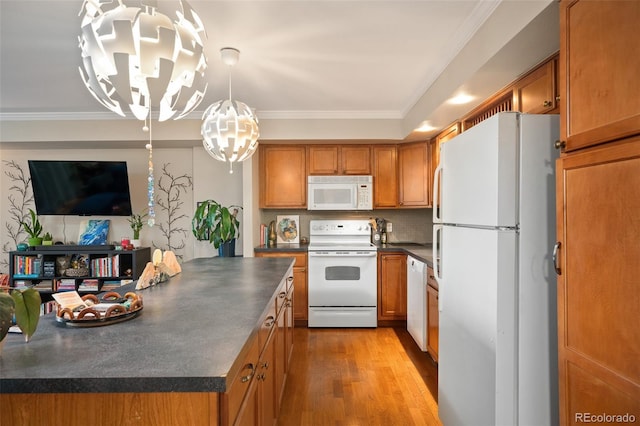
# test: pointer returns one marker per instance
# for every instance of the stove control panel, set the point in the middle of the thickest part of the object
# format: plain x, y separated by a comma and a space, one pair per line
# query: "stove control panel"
339, 227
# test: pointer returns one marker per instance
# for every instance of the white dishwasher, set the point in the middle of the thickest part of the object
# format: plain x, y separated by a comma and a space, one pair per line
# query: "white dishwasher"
417, 301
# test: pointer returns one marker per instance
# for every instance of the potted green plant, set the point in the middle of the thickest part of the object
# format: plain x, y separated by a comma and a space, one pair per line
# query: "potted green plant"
47, 239
217, 224
137, 222
33, 228
25, 305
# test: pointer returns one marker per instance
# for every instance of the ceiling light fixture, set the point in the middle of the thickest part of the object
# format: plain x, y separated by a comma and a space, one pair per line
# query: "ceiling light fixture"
230, 128
145, 55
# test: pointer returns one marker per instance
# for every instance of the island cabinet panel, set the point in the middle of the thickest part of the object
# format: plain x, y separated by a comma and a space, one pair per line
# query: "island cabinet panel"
414, 175
385, 176
140, 409
598, 72
233, 401
300, 300
283, 176
392, 287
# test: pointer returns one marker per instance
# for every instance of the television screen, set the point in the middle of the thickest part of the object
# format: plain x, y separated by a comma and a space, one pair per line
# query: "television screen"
81, 188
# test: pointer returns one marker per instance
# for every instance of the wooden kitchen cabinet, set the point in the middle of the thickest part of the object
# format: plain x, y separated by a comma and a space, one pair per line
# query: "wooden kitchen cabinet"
536, 93
283, 178
300, 299
598, 199
433, 315
598, 71
385, 176
414, 171
435, 146
323, 159
392, 287
339, 160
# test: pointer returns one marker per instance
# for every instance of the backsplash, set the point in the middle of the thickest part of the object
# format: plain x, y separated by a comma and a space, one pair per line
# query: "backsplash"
409, 225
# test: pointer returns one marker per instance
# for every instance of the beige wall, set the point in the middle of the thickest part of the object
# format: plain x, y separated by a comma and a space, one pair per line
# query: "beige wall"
211, 179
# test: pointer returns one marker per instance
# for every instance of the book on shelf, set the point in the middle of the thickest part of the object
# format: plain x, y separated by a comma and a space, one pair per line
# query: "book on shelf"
88, 285
27, 266
43, 285
64, 284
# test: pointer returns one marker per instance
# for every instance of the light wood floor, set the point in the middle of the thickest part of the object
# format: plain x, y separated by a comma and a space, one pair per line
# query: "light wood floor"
359, 377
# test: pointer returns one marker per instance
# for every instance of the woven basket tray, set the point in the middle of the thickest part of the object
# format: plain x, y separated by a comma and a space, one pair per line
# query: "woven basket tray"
77, 272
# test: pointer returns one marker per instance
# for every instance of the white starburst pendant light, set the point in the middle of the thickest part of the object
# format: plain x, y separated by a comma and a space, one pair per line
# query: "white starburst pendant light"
144, 56
230, 128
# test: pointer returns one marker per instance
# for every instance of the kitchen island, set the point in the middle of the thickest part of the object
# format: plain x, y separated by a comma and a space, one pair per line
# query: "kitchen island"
175, 363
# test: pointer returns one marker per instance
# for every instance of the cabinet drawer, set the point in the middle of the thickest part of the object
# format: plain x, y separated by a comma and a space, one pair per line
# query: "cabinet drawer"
241, 382
268, 323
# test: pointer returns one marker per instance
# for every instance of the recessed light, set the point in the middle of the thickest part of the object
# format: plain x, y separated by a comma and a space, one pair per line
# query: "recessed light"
425, 126
461, 99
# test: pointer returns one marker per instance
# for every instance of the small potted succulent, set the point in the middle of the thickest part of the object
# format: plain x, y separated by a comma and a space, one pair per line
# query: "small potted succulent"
47, 239
137, 222
217, 224
33, 228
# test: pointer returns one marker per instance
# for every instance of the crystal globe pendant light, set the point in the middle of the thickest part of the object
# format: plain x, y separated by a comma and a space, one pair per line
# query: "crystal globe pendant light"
143, 56
230, 128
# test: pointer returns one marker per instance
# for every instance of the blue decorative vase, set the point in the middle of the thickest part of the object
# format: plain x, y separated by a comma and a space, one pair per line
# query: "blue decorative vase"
22, 246
227, 249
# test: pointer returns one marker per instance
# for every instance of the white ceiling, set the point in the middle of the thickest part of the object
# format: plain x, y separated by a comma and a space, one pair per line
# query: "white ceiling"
312, 69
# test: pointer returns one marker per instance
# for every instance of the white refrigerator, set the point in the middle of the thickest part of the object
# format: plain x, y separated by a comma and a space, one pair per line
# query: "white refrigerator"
494, 230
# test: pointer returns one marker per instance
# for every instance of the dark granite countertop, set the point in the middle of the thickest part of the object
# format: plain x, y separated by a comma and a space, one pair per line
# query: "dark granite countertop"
187, 338
421, 252
282, 247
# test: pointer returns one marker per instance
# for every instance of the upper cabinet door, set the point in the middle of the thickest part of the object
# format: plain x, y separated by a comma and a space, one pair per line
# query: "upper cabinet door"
385, 176
283, 182
339, 160
414, 180
536, 93
355, 160
599, 71
323, 159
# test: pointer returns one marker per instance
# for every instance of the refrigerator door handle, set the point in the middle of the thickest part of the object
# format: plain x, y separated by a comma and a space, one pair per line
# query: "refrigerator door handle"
437, 259
556, 247
437, 213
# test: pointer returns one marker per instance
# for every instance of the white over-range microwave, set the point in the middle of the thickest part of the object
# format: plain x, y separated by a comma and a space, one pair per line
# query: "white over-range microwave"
340, 193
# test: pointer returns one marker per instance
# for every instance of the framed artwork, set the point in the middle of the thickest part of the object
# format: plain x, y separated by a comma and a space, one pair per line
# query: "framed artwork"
93, 232
287, 229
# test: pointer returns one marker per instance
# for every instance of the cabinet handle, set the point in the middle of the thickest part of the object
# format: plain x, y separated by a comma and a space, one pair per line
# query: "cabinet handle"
265, 365
269, 321
289, 279
281, 295
560, 144
245, 379
556, 247
547, 103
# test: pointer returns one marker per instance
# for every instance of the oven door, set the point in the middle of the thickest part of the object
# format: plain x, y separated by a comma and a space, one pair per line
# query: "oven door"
342, 278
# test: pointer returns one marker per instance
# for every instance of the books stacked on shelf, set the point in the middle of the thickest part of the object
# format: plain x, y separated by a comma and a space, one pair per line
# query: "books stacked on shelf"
21, 284
49, 268
114, 284
43, 285
26, 266
105, 266
88, 285
264, 234
65, 284
47, 307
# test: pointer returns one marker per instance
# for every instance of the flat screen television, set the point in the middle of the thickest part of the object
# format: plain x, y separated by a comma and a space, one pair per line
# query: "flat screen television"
81, 188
